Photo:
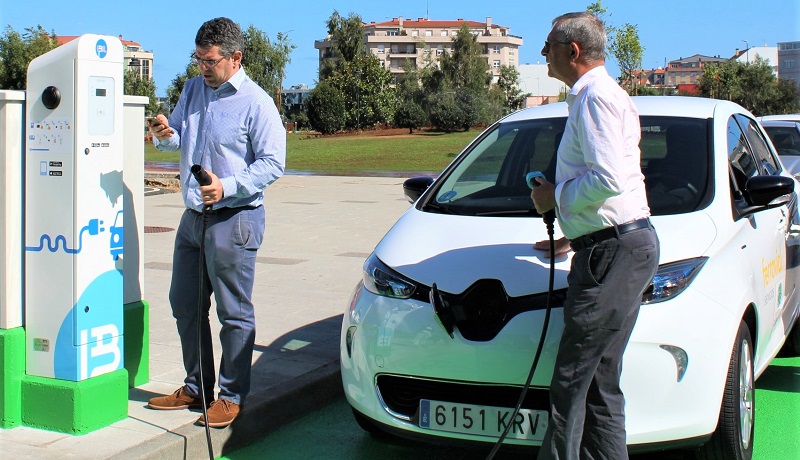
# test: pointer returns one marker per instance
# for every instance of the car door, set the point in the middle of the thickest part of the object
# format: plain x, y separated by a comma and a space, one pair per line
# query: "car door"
766, 243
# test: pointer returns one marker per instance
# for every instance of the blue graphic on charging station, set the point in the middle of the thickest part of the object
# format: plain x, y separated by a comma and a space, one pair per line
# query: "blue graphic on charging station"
101, 48
93, 227
96, 325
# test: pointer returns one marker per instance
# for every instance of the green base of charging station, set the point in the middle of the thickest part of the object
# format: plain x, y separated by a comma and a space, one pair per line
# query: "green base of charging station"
74, 407
137, 342
12, 370
66, 406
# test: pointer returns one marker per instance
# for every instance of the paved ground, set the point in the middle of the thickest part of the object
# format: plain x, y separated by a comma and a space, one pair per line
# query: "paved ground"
319, 231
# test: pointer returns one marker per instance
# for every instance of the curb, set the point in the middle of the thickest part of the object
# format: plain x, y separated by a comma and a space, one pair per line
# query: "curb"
264, 413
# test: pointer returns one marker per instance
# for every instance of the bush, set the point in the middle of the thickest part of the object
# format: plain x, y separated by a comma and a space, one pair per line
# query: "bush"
326, 109
410, 115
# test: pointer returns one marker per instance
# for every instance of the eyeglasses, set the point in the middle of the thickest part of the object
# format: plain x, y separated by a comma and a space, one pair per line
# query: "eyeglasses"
547, 45
209, 63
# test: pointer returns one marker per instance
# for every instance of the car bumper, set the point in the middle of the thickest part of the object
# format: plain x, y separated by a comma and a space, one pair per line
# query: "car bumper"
384, 337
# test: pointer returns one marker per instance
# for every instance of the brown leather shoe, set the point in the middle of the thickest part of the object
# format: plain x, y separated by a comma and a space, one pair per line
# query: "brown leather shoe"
221, 413
177, 400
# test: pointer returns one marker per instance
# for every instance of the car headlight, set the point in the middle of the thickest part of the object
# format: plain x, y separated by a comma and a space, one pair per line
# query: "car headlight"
671, 279
382, 280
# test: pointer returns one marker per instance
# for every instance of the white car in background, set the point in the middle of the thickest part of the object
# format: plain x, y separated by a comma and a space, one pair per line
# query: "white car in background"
723, 303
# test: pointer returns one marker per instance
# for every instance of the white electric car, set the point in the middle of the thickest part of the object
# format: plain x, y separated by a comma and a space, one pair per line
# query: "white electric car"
723, 303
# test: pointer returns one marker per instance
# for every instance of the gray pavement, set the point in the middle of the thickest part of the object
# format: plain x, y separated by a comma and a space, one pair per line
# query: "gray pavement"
319, 231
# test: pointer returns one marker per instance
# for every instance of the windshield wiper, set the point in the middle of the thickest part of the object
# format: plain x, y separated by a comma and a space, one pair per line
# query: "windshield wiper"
508, 212
436, 207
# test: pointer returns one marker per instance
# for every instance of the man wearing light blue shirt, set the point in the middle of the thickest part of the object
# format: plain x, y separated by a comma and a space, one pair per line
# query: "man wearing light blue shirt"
228, 125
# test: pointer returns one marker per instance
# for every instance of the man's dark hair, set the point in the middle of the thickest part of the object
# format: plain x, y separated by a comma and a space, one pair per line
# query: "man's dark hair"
221, 32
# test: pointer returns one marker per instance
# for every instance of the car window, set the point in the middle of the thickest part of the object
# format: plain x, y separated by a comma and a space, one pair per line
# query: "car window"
786, 139
675, 162
767, 163
742, 163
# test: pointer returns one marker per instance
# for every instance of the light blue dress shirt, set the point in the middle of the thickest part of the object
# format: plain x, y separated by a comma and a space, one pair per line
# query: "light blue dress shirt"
233, 131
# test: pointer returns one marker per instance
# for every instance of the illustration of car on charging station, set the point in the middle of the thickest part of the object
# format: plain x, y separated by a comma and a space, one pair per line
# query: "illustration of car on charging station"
723, 303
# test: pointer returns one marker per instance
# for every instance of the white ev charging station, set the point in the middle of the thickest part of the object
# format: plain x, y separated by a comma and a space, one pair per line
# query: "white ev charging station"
74, 217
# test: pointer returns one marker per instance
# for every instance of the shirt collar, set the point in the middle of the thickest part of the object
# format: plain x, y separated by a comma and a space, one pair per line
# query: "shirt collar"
233, 83
584, 81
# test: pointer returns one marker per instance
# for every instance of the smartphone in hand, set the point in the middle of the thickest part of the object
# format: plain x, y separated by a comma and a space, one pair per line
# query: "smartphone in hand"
153, 122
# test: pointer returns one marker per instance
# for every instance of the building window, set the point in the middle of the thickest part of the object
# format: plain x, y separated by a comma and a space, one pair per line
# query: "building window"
439, 50
381, 49
495, 64
410, 49
395, 49
496, 49
444, 33
429, 33
415, 33
391, 33
454, 33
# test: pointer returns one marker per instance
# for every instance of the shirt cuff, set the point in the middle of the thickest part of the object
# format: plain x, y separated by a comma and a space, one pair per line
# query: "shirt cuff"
228, 186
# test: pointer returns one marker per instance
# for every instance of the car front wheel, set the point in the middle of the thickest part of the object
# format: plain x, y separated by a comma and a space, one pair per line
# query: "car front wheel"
733, 438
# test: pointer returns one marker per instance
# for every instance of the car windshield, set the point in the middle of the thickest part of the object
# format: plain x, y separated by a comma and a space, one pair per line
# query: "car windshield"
489, 179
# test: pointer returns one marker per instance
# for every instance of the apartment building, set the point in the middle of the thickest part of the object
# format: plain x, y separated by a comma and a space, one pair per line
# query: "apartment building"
789, 61
399, 40
134, 57
686, 71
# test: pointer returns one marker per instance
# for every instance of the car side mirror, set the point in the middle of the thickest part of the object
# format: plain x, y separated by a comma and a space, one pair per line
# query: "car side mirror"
414, 188
768, 191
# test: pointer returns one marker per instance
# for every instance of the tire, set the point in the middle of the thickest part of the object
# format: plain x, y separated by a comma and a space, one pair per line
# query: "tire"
733, 438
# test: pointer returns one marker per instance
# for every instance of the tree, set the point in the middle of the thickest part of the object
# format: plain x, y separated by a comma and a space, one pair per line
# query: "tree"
361, 79
347, 35
466, 67
513, 97
18, 50
265, 62
326, 108
176, 86
410, 115
135, 85
628, 51
753, 86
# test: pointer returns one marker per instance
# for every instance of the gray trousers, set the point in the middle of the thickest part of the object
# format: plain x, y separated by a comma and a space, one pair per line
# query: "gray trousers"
606, 282
232, 239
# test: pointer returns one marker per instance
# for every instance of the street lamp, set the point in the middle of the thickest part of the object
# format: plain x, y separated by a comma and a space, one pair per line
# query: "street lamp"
358, 100
747, 50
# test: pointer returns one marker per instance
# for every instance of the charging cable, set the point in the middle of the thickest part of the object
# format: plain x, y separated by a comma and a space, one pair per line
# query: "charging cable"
202, 178
549, 219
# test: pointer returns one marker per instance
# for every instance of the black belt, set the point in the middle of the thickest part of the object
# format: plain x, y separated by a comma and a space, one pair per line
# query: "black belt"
583, 242
213, 211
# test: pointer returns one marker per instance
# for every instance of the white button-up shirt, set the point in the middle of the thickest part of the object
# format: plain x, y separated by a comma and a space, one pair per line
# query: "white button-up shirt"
599, 182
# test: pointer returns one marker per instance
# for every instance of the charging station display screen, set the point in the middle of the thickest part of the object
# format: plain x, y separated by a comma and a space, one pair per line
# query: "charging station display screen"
101, 106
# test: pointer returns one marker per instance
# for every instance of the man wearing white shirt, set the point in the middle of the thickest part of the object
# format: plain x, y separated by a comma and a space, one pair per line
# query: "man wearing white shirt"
601, 205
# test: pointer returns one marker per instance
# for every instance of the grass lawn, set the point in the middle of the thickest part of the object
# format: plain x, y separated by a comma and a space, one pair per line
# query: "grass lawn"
390, 150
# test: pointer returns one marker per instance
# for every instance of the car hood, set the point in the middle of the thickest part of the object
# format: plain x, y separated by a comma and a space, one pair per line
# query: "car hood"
456, 251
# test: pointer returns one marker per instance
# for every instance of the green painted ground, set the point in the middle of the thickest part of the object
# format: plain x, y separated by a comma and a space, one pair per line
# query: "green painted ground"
331, 433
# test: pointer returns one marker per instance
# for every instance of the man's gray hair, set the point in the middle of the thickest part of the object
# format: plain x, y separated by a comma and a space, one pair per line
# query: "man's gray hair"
221, 32
584, 28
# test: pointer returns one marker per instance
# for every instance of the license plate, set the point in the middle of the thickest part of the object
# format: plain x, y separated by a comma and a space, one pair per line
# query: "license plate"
529, 424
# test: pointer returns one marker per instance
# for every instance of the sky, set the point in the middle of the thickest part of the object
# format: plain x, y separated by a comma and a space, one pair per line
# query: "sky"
667, 30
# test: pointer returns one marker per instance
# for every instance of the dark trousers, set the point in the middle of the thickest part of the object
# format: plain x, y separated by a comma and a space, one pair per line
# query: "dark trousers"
606, 282
232, 239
